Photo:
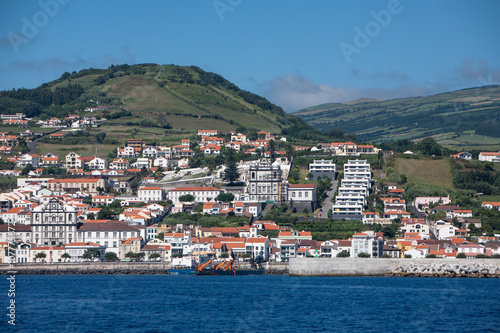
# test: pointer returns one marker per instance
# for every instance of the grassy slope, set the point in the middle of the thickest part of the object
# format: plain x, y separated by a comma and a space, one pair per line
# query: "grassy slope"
409, 118
427, 171
186, 106
180, 101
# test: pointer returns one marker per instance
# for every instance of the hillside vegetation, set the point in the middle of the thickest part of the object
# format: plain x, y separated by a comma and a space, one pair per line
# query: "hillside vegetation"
165, 96
462, 118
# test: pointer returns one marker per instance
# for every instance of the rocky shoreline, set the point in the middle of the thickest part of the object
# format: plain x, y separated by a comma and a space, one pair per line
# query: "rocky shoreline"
472, 270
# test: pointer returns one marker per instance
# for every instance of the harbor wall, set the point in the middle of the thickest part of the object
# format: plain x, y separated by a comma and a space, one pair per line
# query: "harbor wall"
122, 268
394, 267
87, 268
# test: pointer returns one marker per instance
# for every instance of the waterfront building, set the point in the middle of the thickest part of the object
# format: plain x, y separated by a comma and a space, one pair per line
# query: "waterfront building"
54, 223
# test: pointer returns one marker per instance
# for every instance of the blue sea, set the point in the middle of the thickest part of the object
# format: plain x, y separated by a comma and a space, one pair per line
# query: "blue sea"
139, 303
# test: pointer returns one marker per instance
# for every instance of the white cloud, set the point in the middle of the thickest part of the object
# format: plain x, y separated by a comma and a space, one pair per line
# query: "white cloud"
293, 92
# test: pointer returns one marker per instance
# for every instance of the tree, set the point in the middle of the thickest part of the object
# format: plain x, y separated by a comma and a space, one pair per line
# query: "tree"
91, 253
140, 255
226, 197
385, 255
88, 200
66, 256
130, 255
272, 150
105, 213
186, 197
461, 255
310, 176
40, 255
27, 169
364, 255
224, 255
336, 133
231, 174
110, 256
343, 254
408, 256
161, 236
154, 256
430, 255
100, 137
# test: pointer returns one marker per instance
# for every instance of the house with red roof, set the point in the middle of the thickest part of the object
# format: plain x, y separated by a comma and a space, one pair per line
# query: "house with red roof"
491, 205
463, 156
489, 157
258, 247
200, 193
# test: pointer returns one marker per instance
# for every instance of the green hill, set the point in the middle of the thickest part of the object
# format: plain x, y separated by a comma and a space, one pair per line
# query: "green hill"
169, 96
459, 119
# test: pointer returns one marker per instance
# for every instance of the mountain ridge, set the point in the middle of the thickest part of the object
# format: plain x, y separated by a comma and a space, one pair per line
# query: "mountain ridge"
468, 111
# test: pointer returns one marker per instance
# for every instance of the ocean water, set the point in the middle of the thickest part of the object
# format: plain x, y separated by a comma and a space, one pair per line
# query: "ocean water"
139, 303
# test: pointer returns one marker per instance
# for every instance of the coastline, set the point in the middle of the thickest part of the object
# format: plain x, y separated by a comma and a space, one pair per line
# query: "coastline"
109, 268
467, 268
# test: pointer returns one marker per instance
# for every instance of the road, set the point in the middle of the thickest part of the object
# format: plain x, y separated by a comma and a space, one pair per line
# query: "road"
32, 144
328, 204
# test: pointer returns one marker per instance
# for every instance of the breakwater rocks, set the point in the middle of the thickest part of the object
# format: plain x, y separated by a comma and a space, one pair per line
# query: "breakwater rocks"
471, 270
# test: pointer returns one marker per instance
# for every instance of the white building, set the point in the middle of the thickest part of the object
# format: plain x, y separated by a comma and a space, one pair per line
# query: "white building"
445, 230
109, 234
54, 223
151, 193
258, 247
77, 249
322, 167
201, 194
489, 157
265, 182
97, 164
363, 243
301, 192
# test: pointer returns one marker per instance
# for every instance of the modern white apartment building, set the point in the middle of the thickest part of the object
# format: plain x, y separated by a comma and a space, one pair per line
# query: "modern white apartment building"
322, 168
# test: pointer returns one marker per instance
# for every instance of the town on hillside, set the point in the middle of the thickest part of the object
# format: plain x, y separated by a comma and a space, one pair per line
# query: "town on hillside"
220, 195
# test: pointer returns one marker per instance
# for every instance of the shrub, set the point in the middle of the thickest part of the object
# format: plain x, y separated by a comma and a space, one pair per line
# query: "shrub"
343, 254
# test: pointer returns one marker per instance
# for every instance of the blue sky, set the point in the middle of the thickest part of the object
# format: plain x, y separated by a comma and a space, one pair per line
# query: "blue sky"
295, 53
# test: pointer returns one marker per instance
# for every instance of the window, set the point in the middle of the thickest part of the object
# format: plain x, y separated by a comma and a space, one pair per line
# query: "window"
306, 194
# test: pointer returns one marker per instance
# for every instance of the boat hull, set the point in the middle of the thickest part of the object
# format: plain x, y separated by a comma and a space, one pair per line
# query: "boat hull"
182, 271
232, 272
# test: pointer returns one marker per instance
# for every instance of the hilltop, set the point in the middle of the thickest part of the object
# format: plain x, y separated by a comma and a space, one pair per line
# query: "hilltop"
459, 119
167, 96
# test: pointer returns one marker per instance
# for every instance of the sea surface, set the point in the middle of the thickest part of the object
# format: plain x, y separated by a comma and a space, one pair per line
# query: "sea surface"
156, 303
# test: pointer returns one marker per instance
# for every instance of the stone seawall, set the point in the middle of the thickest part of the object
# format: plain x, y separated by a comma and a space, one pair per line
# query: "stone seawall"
118, 268
87, 268
395, 267
278, 268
